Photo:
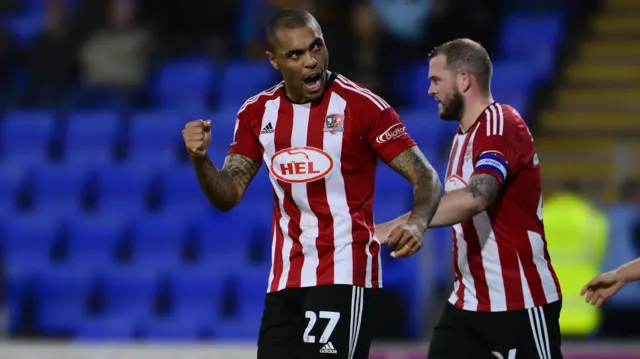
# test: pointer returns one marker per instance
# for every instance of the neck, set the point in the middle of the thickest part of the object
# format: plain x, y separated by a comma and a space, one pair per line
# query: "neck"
473, 110
292, 95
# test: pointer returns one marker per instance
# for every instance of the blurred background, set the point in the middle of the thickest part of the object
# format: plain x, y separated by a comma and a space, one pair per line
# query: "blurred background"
105, 234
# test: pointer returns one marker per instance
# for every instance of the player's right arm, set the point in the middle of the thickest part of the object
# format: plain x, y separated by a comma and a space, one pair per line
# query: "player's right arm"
223, 187
607, 284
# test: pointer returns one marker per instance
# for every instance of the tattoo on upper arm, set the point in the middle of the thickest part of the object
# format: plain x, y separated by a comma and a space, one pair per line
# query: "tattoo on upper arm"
485, 186
410, 164
240, 169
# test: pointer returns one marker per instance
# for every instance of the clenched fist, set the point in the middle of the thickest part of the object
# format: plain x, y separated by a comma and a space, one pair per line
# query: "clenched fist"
197, 136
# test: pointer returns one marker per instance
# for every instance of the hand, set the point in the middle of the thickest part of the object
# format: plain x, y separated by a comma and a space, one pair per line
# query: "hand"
197, 136
601, 288
406, 239
383, 230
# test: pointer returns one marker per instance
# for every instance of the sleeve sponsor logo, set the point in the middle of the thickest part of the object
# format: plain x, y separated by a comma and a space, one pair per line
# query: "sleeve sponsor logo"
393, 132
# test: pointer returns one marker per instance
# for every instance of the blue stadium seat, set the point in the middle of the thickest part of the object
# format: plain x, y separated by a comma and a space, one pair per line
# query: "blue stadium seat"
181, 191
391, 186
11, 181
123, 189
243, 329
184, 83
154, 137
223, 241
28, 240
510, 75
16, 286
62, 296
129, 292
172, 329
58, 188
92, 240
158, 240
425, 128
525, 35
197, 294
419, 90
244, 79
223, 127
25, 28
25, 137
251, 288
403, 277
90, 137
109, 329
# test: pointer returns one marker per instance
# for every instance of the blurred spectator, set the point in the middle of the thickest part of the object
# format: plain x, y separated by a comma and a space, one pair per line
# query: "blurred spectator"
9, 59
115, 60
478, 20
184, 27
52, 61
7, 6
576, 234
367, 69
624, 246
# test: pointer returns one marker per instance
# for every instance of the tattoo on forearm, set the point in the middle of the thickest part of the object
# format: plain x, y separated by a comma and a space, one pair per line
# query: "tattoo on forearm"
427, 188
225, 187
485, 186
240, 169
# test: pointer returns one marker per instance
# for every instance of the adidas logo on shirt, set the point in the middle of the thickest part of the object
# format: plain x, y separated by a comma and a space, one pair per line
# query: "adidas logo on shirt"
267, 129
328, 349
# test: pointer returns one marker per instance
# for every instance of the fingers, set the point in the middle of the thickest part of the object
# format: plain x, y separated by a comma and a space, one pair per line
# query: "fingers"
407, 247
596, 297
394, 237
587, 287
398, 238
407, 250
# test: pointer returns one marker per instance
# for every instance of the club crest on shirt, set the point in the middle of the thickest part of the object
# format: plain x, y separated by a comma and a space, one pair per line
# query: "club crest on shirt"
334, 123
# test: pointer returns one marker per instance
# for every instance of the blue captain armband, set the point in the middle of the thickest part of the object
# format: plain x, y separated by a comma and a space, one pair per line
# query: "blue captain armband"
492, 163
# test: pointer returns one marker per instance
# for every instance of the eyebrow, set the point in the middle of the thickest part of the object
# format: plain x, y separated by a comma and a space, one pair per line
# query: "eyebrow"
316, 41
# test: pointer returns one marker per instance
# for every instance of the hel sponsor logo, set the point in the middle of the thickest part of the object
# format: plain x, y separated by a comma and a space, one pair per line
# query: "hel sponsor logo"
301, 164
393, 132
454, 183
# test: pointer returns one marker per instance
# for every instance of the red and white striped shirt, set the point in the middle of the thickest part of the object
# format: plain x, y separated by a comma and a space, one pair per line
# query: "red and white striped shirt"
321, 158
500, 256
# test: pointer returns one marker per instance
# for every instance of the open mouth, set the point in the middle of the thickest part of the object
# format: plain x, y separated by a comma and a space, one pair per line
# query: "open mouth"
313, 82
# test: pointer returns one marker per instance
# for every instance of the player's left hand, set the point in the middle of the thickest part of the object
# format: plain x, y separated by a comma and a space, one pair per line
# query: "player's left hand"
601, 288
405, 239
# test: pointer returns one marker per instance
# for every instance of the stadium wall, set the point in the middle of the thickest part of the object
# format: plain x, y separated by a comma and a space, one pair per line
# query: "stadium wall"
39, 350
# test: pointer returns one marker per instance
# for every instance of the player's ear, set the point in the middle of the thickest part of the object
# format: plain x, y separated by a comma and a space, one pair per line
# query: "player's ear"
464, 81
273, 60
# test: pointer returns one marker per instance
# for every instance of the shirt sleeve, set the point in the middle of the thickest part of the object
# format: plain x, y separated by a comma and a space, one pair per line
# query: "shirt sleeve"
245, 140
388, 136
497, 153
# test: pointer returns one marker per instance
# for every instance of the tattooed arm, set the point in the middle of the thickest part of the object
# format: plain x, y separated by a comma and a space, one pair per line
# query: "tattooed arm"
427, 188
224, 188
463, 204
460, 205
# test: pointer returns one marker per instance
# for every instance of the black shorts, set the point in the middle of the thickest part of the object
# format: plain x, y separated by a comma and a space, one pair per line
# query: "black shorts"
523, 334
317, 322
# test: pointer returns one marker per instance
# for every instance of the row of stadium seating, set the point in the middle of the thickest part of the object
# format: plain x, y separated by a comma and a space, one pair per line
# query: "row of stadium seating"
150, 137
